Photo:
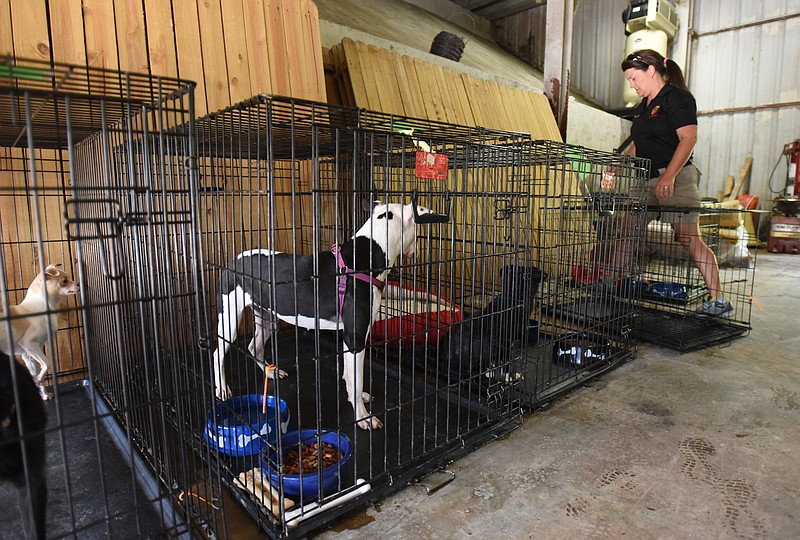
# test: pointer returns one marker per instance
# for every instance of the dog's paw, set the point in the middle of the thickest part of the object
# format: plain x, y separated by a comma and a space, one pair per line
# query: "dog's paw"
276, 373
370, 423
366, 397
223, 393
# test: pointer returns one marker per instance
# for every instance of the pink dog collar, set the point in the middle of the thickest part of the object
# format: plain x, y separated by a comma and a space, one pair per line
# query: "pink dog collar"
345, 271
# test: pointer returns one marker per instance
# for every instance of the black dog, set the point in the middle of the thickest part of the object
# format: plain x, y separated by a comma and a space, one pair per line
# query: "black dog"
14, 455
481, 343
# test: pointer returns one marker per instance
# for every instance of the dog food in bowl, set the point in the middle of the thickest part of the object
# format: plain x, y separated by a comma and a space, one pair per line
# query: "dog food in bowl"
299, 466
308, 457
239, 427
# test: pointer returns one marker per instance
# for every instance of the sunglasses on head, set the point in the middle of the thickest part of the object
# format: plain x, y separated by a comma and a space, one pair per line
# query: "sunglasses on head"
637, 58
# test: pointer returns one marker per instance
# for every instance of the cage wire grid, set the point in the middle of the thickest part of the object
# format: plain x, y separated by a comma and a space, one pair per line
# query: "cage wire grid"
533, 282
587, 228
90, 180
293, 176
672, 287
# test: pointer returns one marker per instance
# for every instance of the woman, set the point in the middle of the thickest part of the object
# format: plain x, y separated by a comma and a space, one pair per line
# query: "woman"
664, 130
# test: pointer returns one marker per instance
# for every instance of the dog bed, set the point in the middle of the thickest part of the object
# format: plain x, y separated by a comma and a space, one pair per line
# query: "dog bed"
410, 316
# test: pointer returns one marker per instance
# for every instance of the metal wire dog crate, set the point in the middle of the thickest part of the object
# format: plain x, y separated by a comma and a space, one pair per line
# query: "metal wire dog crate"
672, 286
95, 174
586, 217
442, 360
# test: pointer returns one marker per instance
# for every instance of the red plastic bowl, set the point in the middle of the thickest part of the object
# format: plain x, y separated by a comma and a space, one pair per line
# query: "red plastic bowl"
410, 329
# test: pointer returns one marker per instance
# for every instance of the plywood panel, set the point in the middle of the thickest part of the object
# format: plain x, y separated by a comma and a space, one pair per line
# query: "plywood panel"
236, 51
215, 70
161, 38
29, 25
6, 37
131, 37
313, 40
427, 87
66, 20
101, 41
353, 70
255, 29
277, 45
187, 39
430, 90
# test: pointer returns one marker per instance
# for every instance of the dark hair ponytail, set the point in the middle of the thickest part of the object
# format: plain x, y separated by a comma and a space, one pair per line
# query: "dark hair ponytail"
667, 68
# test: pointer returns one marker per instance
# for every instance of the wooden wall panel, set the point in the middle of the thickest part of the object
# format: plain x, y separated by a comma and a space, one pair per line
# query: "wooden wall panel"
160, 38
131, 36
29, 27
6, 36
187, 38
236, 51
255, 30
277, 44
66, 20
232, 49
429, 90
312, 40
101, 38
215, 67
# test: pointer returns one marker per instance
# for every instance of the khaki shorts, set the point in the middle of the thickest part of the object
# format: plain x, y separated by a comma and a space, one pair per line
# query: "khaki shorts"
686, 195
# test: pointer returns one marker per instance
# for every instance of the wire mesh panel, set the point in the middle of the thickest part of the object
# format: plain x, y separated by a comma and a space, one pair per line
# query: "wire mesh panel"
311, 278
586, 216
91, 180
674, 284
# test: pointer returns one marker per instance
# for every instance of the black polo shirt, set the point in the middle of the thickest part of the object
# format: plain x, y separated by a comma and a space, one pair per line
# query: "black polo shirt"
655, 124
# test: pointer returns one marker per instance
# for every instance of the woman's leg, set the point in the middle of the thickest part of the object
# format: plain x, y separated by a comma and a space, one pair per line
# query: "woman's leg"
689, 236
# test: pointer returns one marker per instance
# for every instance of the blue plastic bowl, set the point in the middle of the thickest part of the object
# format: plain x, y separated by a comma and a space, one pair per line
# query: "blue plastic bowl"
307, 484
237, 427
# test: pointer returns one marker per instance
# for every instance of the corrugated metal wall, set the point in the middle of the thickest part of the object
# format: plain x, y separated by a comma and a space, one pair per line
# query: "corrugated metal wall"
747, 87
743, 70
598, 47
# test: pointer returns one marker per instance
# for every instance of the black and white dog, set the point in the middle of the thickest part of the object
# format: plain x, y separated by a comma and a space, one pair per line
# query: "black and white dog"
281, 286
23, 464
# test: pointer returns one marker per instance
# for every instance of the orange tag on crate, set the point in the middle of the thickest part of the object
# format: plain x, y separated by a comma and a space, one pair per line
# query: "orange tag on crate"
431, 165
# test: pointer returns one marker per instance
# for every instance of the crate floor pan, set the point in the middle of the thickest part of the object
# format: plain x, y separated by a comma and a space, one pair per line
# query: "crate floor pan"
427, 421
685, 333
97, 485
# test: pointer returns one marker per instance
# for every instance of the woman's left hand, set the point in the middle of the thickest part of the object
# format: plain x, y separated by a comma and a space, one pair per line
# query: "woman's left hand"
665, 186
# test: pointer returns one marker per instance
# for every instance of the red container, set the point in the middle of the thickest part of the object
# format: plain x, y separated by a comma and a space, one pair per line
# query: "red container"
784, 235
406, 318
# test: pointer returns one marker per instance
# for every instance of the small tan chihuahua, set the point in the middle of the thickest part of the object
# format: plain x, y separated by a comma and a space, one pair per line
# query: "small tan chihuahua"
30, 328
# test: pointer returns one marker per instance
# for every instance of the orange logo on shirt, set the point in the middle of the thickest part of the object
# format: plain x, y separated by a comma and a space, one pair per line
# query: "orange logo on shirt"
655, 110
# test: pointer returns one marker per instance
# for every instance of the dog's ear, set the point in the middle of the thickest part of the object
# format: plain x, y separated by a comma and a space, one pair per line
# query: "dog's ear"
52, 270
368, 205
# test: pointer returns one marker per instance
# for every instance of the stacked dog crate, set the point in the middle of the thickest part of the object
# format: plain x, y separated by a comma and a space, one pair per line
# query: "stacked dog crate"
442, 363
585, 213
672, 286
90, 179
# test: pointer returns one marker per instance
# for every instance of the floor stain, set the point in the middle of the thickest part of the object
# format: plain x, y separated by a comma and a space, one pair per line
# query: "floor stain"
352, 521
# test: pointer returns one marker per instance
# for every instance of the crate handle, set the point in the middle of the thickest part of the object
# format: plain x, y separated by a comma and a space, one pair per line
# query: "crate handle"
115, 222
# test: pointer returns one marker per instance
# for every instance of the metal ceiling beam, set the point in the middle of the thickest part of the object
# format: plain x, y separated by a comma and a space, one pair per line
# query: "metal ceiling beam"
501, 8
557, 59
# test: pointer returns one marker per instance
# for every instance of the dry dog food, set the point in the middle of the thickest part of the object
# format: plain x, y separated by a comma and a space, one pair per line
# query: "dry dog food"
309, 457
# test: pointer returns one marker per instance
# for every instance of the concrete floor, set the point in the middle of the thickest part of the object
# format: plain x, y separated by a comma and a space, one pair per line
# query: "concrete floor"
699, 445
